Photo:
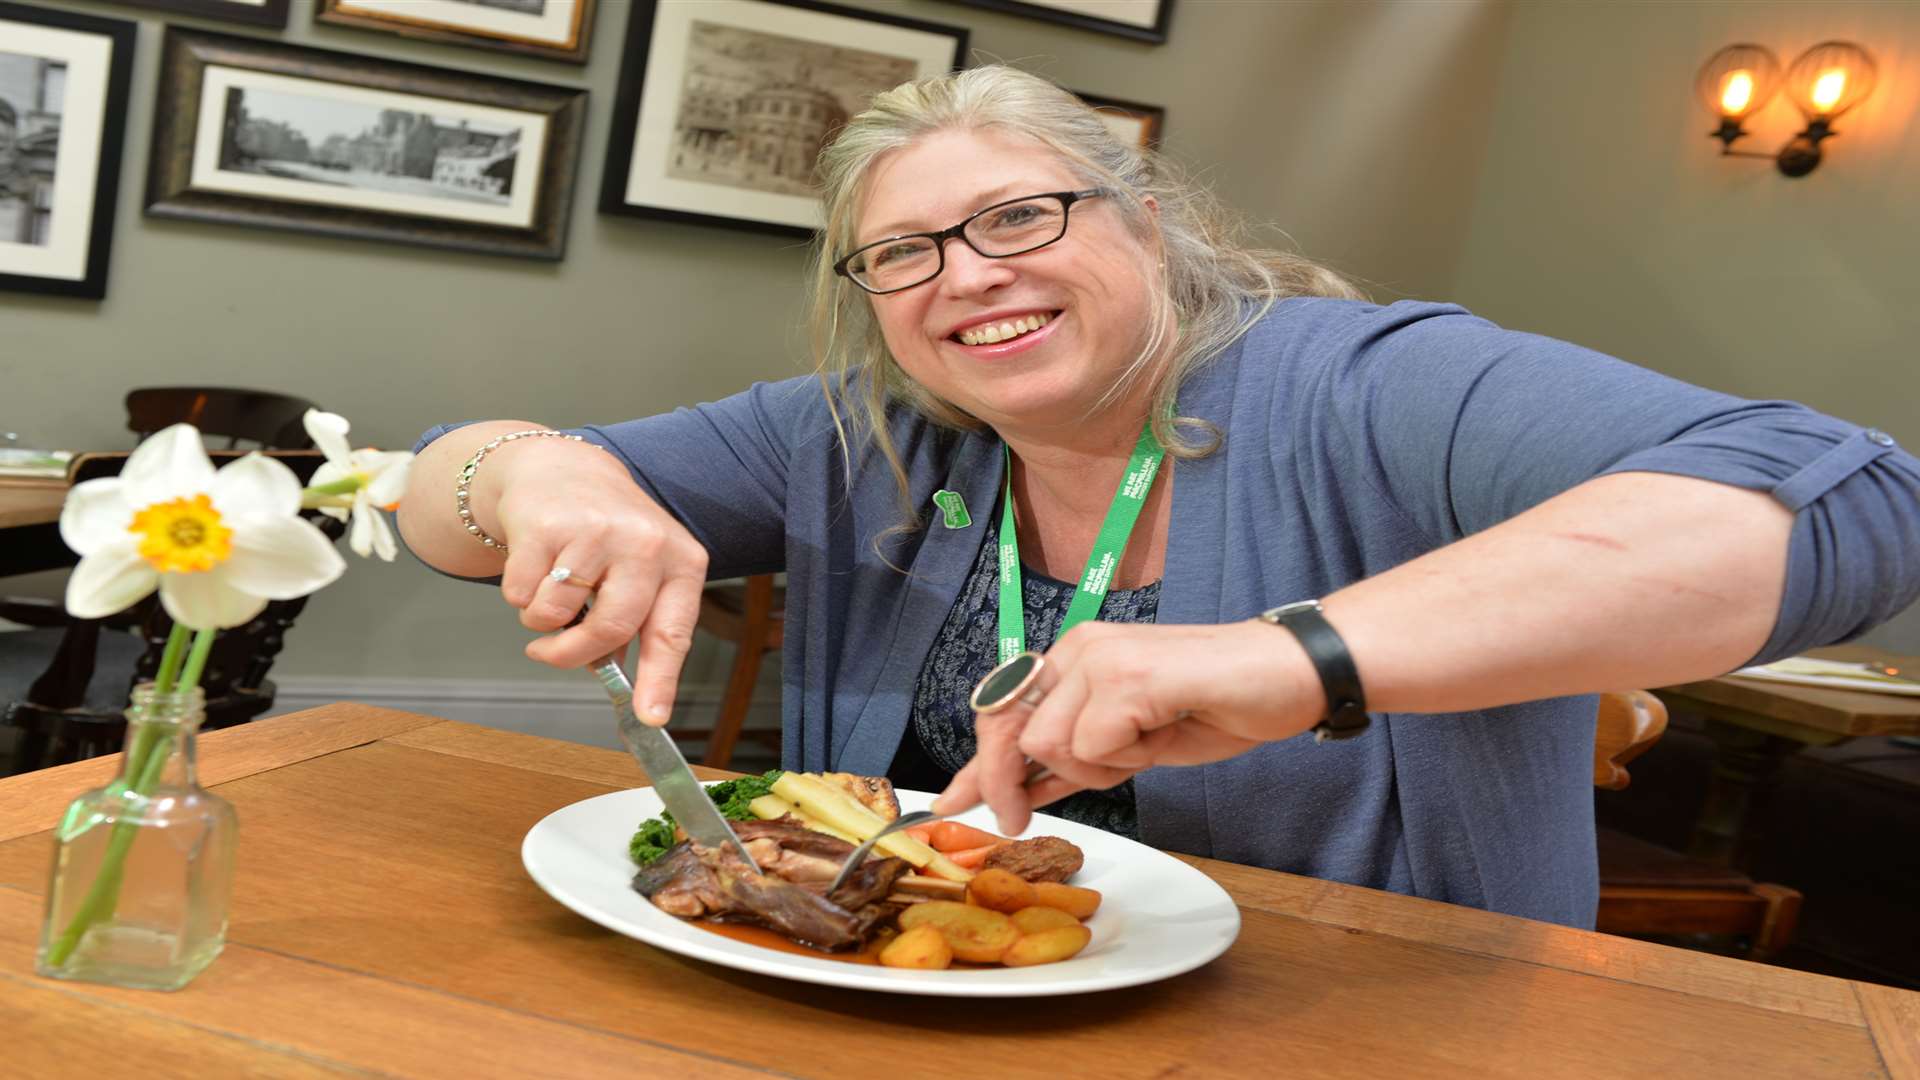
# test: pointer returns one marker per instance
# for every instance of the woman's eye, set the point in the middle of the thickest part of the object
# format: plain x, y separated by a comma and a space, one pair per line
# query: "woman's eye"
1017, 215
894, 253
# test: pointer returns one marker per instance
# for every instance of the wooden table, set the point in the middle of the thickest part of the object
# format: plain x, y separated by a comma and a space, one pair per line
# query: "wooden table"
382, 923
29, 526
30, 507
1755, 725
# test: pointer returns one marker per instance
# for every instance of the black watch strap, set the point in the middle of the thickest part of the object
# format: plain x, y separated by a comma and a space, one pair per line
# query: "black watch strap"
1339, 678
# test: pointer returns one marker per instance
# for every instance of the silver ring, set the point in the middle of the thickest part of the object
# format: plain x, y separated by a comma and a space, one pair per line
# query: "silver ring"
561, 575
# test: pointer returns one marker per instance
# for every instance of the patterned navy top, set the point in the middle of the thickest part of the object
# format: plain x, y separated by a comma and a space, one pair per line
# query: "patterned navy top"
939, 737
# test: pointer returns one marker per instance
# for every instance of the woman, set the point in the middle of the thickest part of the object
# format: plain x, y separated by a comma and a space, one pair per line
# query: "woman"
1012, 307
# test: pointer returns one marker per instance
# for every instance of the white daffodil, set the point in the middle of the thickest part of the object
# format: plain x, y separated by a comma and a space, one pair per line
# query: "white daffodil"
379, 478
218, 545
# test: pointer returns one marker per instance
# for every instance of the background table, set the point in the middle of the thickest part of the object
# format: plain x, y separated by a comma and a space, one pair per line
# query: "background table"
382, 922
29, 526
1755, 724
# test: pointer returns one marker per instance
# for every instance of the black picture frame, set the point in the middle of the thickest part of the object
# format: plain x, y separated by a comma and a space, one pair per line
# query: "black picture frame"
440, 21
1149, 120
269, 13
37, 166
1153, 30
648, 173
236, 167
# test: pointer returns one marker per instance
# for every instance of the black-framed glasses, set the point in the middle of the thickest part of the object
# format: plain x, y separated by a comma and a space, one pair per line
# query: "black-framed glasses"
1014, 227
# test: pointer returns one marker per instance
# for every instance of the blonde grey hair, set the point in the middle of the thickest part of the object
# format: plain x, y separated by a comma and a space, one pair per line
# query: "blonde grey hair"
1211, 285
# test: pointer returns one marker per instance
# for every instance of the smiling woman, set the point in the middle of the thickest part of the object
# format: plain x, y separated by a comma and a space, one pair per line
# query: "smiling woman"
1230, 502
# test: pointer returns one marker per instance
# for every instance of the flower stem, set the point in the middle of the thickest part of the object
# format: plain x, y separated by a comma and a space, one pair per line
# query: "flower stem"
147, 755
197, 659
344, 486
170, 658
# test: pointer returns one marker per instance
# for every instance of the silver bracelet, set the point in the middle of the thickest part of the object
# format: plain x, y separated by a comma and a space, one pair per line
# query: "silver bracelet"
473, 465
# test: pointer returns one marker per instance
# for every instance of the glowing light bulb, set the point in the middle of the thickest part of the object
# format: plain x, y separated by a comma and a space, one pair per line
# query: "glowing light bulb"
1736, 92
1828, 89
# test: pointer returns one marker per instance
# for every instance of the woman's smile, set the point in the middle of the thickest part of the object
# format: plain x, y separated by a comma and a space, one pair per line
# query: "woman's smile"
1005, 335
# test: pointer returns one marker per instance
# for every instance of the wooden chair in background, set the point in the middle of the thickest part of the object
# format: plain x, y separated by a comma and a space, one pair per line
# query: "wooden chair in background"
1649, 890
268, 420
753, 616
65, 684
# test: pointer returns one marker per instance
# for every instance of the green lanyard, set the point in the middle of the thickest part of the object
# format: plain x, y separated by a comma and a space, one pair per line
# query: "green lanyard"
1101, 564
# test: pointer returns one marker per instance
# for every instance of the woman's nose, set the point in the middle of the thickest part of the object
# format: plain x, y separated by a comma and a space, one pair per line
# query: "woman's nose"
968, 272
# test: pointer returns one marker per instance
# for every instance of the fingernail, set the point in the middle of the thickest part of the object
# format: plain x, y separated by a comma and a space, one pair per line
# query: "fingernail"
657, 714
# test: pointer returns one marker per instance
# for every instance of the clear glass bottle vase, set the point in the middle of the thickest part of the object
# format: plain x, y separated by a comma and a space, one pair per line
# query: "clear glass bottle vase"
143, 868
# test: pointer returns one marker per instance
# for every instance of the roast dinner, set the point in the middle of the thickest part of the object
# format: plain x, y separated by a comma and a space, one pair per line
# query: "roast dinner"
926, 898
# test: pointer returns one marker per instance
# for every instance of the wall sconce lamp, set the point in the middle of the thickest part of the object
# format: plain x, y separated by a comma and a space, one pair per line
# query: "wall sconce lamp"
1824, 82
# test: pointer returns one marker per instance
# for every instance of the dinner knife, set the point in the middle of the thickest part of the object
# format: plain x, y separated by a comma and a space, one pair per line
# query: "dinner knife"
679, 790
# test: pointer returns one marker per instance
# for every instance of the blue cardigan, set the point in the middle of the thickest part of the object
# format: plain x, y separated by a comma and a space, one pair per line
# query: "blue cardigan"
1357, 437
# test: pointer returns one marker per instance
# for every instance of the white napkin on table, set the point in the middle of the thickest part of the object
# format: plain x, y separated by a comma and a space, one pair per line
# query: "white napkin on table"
1838, 674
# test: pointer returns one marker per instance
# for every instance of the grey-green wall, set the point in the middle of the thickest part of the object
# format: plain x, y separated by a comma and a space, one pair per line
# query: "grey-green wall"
1385, 139
1276, 100
1605, 216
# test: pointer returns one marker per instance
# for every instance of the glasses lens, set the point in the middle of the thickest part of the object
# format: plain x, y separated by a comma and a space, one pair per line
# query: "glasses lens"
1018, 226
895, 264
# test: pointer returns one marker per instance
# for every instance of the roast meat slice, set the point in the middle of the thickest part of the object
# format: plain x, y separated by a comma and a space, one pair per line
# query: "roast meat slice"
693, 882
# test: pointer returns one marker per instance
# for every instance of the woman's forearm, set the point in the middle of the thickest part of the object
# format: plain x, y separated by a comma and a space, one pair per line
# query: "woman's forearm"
428, 518
1626, 581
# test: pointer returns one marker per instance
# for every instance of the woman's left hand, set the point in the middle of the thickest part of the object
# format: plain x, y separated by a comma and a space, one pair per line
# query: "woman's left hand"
1120, 698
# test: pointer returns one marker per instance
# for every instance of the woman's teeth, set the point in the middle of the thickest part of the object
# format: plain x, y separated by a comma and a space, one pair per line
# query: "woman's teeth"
988, 333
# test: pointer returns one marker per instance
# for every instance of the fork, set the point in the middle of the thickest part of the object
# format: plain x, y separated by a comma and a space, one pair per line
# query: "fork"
904, 821
1036, 772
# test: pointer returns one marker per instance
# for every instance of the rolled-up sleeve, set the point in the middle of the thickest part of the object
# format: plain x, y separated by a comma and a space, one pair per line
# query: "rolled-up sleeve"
1520, 418
1854, 560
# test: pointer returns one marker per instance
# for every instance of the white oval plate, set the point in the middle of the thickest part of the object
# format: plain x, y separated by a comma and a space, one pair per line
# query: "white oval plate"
1159, 916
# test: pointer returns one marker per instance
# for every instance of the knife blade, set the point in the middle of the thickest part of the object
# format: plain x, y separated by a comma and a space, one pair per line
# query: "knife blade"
679, 790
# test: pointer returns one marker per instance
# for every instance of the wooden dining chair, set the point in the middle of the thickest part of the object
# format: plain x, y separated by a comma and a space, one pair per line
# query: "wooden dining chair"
64, 685
752, 614
263, 418
1647, 890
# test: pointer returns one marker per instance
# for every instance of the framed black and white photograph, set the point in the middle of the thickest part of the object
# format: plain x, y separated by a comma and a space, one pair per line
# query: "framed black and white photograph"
549, 29
253, 12
725, 104
1142, 20
64, 80
1130, 121
252, 132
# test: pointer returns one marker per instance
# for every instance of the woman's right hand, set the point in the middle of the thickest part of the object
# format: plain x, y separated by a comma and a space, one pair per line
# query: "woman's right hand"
564, 504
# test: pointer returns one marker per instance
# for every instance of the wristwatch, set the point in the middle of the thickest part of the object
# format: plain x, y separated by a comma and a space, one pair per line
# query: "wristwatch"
1346, 702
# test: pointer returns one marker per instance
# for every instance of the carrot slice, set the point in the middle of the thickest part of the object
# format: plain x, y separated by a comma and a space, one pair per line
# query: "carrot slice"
922, 833
973, 858
951, 836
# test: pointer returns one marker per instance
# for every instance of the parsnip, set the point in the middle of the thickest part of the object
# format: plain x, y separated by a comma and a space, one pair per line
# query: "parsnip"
820, 801
772, 807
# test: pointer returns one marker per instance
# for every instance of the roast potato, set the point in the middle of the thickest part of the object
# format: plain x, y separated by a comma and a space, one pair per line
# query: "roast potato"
1034, 919
1047, 946
923, 948
1000, 890
976, 934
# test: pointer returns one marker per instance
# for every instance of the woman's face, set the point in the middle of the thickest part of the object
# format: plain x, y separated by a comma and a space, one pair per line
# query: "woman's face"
1090, 290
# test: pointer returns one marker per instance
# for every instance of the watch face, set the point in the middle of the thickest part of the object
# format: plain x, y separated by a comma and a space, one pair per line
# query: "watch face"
1284, 610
